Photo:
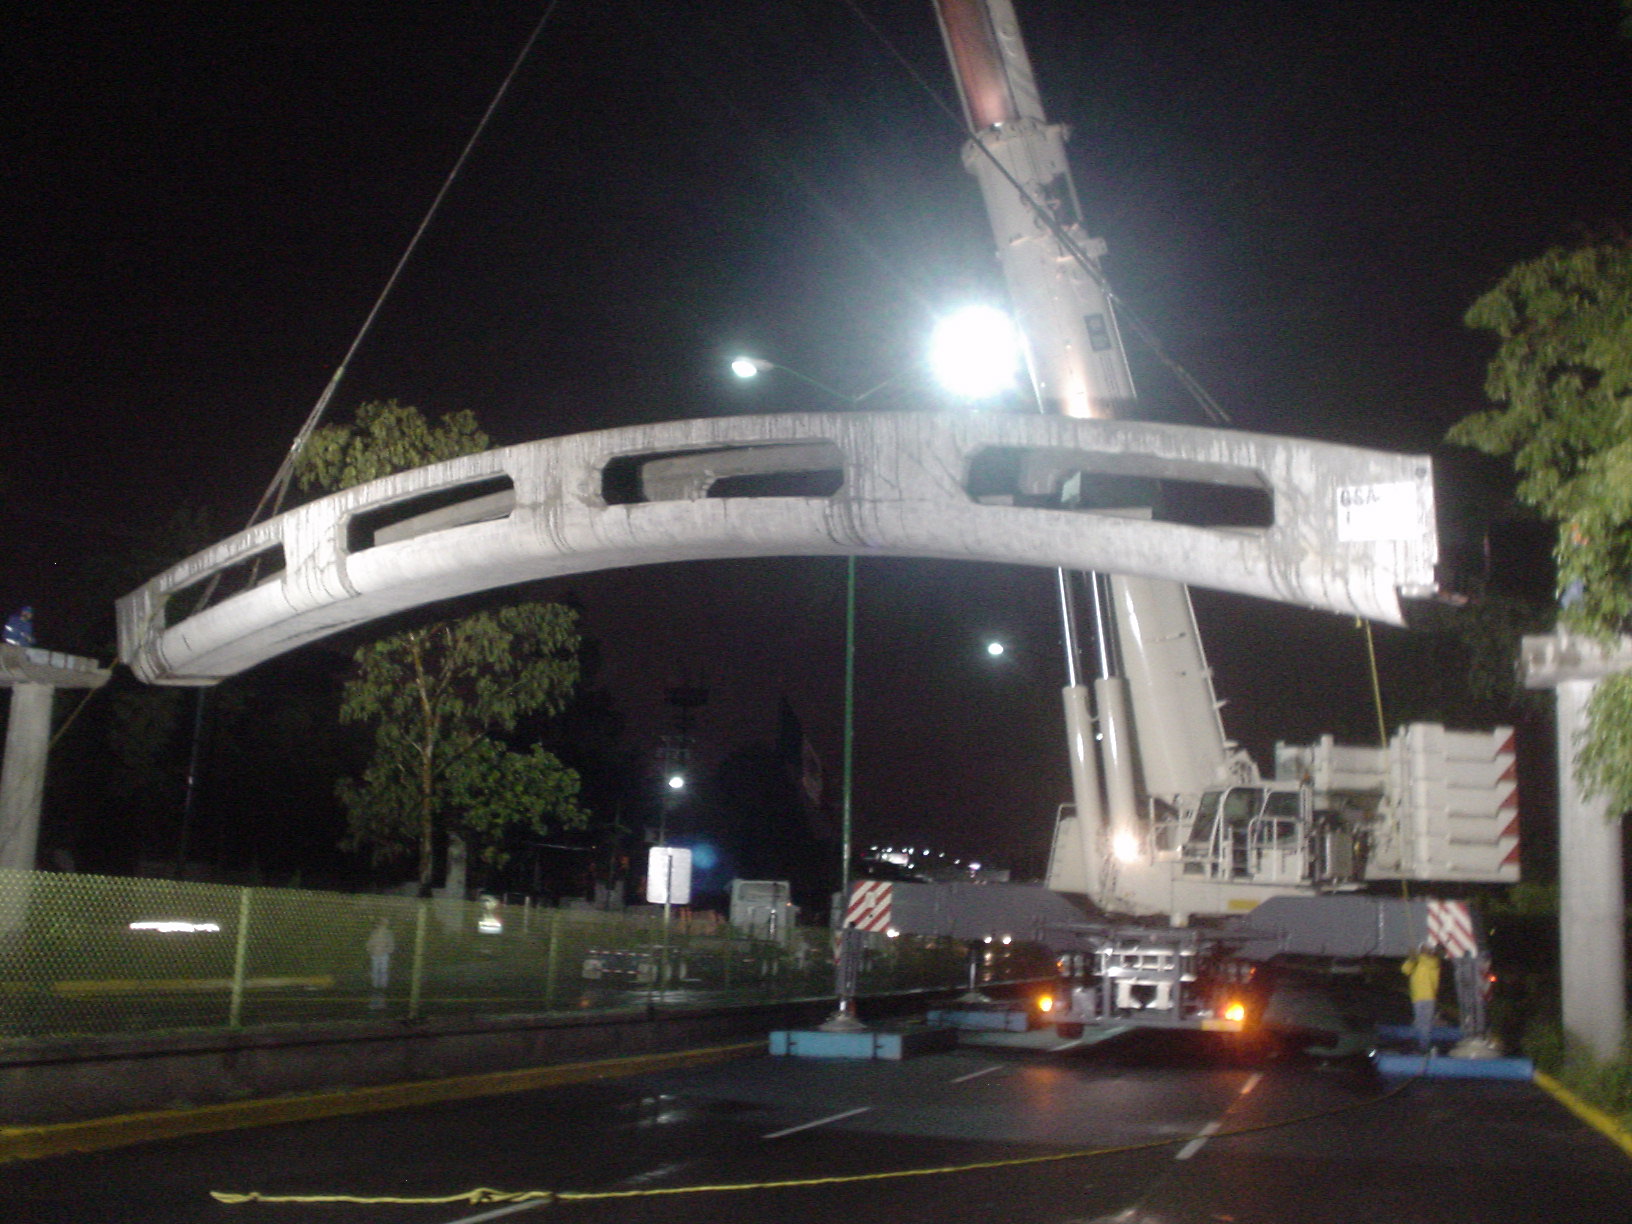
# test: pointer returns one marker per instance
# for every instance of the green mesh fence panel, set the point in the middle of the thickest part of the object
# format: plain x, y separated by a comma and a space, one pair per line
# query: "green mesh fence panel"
83, 955
92, 954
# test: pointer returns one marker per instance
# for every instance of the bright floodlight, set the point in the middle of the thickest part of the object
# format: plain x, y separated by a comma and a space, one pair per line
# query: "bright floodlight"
677, 781
1125, 846
994, 649
974, 352
747, 367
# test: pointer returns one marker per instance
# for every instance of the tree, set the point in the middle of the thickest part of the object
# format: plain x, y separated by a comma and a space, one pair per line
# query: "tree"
1562, 374
443, 697
437, 697
384, 437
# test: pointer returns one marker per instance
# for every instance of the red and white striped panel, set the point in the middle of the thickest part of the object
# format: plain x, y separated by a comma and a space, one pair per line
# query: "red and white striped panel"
869, 905
1450, 925
1507, 786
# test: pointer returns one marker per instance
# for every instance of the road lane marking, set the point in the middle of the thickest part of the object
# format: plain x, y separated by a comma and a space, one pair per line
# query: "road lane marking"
849, 1113
512, 1209
1252, 1082
975, 1074
1195, 1145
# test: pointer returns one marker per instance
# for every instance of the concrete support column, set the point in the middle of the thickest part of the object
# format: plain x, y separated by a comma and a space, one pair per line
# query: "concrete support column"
1592, 900
22, 781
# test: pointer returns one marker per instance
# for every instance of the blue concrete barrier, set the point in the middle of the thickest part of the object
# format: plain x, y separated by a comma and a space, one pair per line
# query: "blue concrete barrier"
1012, 1020
1410, 1066
889, 1044
1442, 1034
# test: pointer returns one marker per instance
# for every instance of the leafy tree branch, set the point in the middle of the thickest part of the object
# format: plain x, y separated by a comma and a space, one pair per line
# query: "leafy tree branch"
1562, 380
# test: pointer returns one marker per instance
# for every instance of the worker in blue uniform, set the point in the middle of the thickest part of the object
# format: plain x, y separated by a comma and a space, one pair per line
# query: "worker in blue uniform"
19, 629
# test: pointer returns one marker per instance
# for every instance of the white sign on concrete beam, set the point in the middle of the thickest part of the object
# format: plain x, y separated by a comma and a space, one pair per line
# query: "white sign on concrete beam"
1373, 512
668, 875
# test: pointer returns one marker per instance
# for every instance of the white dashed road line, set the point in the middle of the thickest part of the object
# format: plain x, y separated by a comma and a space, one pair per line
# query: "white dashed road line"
849, 1113
1195, 1145
1207, 1132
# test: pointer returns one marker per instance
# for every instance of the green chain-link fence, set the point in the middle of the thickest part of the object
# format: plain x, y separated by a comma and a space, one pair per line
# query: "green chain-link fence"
86, 954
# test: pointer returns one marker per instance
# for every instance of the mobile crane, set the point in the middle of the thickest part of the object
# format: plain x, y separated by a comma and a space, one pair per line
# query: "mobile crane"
1170, 821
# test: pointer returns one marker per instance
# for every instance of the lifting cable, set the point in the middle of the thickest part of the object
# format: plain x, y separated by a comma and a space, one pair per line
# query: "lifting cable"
276, 491
483, 1195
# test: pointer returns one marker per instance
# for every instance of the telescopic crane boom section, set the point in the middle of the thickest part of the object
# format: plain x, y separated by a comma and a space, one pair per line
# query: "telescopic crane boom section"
1078, 368
1072, 347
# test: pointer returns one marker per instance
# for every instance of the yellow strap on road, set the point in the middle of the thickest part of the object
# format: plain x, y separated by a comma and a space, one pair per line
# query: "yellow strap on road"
485, 1195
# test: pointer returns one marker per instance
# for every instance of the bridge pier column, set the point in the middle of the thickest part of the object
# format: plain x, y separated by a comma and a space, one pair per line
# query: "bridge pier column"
1591, 884
22, 779
1591, 894
33, 676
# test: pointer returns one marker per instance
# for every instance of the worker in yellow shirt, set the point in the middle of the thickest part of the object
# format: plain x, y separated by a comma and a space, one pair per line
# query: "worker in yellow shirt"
1421, 969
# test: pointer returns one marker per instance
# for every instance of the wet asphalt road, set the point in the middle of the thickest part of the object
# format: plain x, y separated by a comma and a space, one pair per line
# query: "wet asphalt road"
1319, 1142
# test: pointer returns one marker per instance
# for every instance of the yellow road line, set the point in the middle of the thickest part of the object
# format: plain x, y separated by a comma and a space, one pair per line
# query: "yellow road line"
92, 986
1591, 1115
122, 1130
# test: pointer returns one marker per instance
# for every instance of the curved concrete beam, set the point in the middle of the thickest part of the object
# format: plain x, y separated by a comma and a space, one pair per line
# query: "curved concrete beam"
1339, 528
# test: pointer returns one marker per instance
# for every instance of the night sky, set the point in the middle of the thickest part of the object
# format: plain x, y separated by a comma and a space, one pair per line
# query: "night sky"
1301, 200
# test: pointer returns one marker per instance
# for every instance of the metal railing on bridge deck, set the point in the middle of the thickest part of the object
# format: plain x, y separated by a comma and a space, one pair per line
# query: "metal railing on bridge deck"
96, 955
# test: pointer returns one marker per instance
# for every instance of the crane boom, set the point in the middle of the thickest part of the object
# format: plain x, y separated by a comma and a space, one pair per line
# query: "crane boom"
1078, 367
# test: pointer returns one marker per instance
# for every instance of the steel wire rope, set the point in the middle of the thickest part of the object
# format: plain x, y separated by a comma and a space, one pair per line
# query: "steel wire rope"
280, 482
1209, 406
484, 1195
279, 487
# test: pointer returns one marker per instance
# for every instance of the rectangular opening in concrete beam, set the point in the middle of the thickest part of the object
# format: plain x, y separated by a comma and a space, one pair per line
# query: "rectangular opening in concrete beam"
250, 571
476, 501
811, 468
1192, 494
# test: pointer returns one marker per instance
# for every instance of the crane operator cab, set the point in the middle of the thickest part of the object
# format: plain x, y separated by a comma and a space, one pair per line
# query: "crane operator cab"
1265, 834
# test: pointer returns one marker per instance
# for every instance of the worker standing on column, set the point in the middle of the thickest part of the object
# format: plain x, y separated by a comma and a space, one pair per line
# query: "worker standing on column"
1422, 970
19, 629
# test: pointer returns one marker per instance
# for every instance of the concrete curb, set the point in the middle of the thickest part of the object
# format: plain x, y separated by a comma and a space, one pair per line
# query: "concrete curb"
1590, 1114
97, 1134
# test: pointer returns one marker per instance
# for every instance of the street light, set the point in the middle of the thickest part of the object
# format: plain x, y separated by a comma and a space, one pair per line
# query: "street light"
752, 367
974, 352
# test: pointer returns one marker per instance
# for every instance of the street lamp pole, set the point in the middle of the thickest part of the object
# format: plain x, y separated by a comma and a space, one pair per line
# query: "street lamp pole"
844, 1017
849, 721
844, 969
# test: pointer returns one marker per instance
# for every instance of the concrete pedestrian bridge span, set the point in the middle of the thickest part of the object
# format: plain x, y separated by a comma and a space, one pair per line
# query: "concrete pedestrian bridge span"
1340, 528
